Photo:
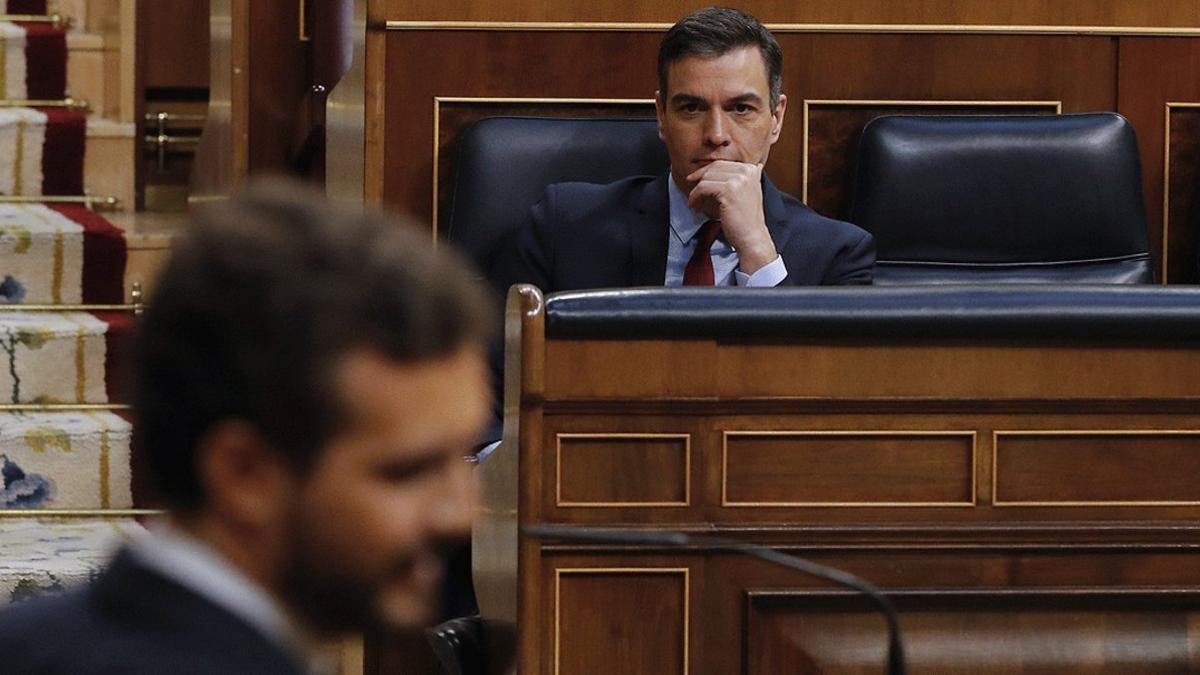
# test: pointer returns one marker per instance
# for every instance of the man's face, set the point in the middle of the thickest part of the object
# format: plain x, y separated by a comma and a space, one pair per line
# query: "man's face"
717, 108
373, 518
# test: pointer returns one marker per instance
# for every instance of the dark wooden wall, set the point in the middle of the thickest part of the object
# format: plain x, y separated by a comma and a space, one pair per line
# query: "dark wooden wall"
175, 40
953, 12
431, 79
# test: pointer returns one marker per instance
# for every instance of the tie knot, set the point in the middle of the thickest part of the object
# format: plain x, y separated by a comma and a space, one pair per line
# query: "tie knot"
708, 233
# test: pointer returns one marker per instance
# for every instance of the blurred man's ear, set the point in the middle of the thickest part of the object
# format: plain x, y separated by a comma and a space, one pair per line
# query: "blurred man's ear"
246, 482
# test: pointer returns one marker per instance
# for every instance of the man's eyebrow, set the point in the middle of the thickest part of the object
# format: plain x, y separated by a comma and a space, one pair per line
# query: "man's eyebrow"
748, 97
685, 98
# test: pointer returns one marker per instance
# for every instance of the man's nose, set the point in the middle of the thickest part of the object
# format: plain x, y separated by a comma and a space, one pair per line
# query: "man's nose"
715, 129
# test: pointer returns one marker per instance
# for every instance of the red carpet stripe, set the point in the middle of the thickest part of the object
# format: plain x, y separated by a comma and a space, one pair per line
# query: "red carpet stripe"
62, 154
45, 61
118, 342
104, 255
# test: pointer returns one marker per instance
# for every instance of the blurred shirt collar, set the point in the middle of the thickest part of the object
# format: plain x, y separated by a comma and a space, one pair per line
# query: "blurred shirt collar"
201, 569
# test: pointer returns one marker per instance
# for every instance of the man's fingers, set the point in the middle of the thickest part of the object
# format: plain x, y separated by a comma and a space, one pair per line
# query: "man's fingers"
724, 167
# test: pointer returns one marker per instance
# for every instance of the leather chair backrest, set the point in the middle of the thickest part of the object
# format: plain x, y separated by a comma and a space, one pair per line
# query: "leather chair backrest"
503, 165
1015, 198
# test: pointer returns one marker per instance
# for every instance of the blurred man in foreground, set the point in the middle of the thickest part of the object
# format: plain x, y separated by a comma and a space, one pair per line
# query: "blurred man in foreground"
305, 396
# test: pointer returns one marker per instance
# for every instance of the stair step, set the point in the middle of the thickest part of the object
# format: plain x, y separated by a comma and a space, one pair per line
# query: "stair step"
59, 254
108, 169
65, 460
93, 71
63, 357
148, 238
49, 555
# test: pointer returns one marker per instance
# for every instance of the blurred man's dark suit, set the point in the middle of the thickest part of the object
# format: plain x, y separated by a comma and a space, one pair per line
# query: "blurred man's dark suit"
134, 621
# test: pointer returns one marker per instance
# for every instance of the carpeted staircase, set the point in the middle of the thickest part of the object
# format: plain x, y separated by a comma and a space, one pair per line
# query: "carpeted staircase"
65, 466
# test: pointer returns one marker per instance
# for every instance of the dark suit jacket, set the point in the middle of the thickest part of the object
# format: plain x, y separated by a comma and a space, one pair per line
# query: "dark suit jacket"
583, 235
132, 620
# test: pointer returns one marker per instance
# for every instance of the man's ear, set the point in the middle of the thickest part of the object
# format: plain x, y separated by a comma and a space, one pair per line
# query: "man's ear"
660, 112
777, 117
246, 481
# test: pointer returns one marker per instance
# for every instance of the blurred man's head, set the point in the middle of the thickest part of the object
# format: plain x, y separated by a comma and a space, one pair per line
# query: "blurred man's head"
309, 381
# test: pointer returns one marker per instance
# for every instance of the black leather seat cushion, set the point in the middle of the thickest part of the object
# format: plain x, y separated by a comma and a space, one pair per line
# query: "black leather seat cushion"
1094, 313
1053, 198
504, 164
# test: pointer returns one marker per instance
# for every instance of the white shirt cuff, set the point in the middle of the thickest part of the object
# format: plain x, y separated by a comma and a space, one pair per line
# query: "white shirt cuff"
767, 276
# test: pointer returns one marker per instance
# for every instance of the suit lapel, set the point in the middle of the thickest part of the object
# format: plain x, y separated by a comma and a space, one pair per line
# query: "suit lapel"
648, 225
775, 214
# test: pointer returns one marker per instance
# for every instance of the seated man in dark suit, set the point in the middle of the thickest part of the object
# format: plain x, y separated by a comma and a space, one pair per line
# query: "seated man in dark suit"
715, 219
304, 400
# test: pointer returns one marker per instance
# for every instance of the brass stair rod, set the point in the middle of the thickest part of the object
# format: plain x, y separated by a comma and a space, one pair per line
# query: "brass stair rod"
163, 140
68, 102
135, 308
56, 20
168, 117
87, 200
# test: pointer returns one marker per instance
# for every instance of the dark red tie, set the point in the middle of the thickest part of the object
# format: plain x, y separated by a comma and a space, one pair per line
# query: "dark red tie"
699, 270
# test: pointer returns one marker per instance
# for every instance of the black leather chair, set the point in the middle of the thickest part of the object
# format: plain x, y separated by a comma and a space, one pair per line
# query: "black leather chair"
458, 644
1027, 199
503, 165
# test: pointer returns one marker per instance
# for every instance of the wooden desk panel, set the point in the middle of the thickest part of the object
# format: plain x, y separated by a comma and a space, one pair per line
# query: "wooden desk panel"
1018, 533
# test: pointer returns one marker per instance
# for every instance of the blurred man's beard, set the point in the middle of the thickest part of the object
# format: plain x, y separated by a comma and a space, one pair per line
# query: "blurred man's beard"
332, 597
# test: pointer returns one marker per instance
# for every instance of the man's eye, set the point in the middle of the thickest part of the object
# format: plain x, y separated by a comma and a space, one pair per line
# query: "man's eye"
690, 108
742, 108
402, 472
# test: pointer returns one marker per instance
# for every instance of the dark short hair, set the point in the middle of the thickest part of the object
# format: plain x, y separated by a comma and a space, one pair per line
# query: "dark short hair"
716, 31
262, 297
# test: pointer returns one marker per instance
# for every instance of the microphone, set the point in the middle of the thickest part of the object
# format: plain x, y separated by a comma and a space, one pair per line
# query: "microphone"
599, 535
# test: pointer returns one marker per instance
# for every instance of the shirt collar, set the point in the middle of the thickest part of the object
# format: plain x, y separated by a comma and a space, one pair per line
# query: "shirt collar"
201, 569
685, 222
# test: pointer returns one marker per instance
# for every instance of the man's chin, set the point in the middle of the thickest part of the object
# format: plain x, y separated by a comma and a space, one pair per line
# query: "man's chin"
406, 610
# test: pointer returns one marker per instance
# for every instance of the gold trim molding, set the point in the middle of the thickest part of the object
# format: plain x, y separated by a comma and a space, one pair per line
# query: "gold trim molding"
1166, 215
973, 435
687, 468
687, 601
1068, 433
915, 103
437, 126
952, 29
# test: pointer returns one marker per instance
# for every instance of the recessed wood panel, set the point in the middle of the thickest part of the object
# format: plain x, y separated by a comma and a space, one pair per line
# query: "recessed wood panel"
621, 620
1095, 469
623, 470
175, 44
1155, 72
832, 130
848, 468
1182, 180
978, 631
